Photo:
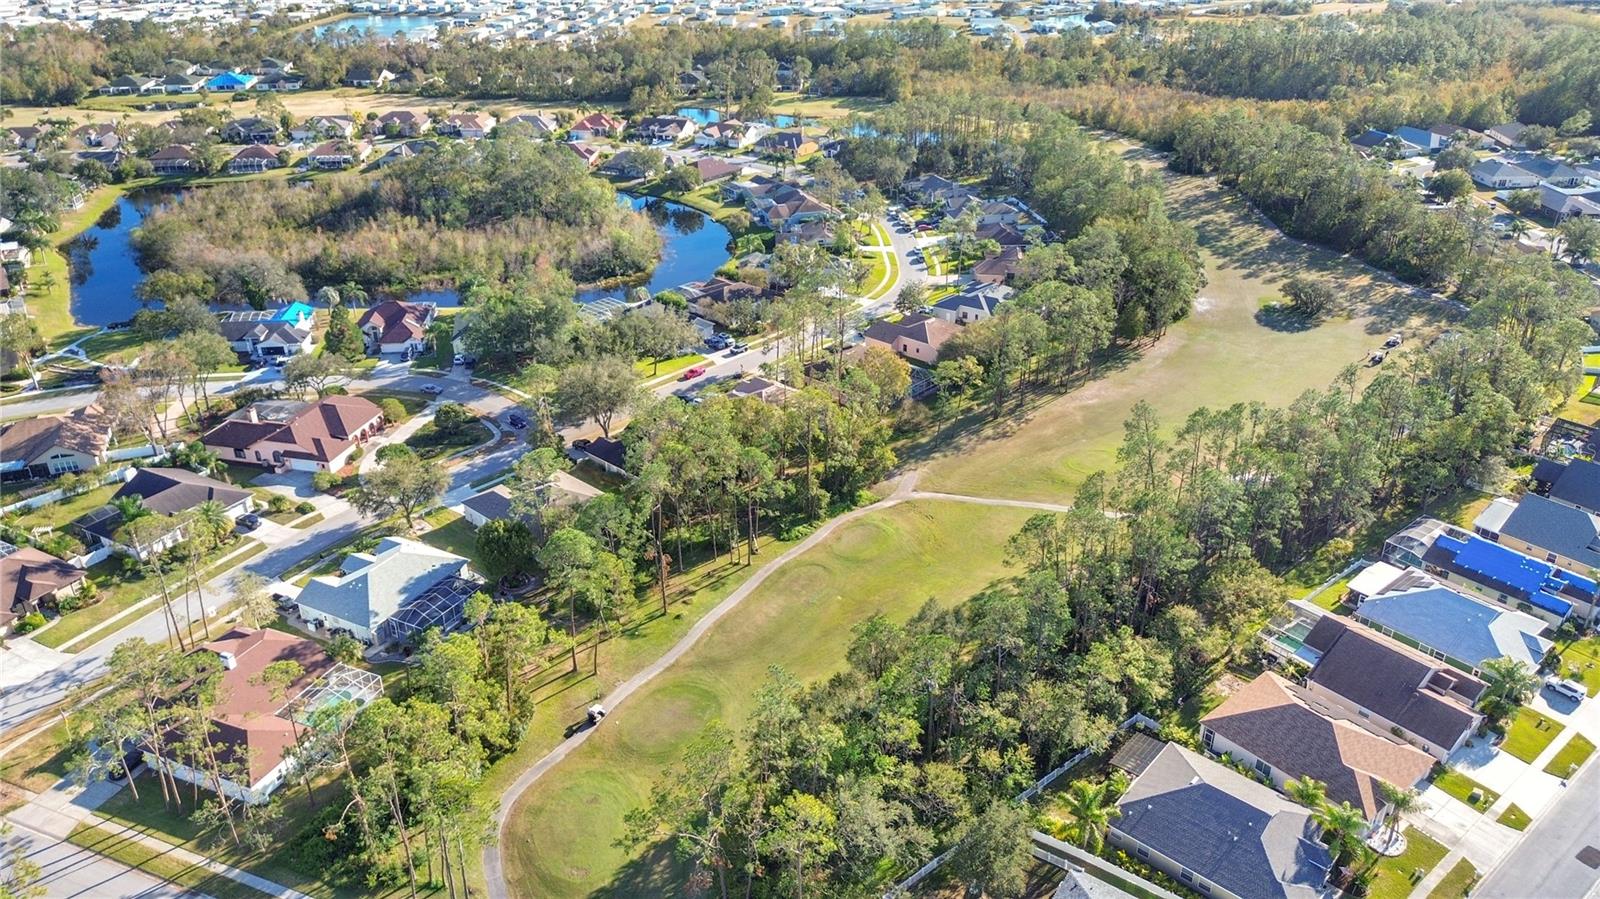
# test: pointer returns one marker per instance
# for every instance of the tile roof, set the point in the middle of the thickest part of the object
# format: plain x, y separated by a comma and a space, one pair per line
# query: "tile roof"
1290, 729
397, 321
1224, 827
922, 328
28, 575
320, 431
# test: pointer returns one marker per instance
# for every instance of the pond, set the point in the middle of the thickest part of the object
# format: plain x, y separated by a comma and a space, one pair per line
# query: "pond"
705, 115
693, 247
103, 264
385, 26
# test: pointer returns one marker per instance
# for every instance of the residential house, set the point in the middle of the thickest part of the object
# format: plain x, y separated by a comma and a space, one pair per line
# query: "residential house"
319, 436
1219, 832
182, 83
929, 189
400, 123
1450, 624
1001, 268
269, 66
131, 85
1561, 534
1558, 205
1285, 731
1403, 691
1508, 135
175, 159
1550, 171
101, 135
732, 134
256, 724
916, 337
338, 154
787, 144
763, 389
596, 125
1004, 235
263, 338
31, 580
50, 445
467, 125
406, 149
711, 168
784, 207
397, 326
999, 212
25, 137
1502, 174
392, 594
254, 158
281, 81
590, 155
813, 232
707, 295
170, 494
229, 82
690, 81
323, 127
605, 452
541, 124
367, 76
628, 164
251, 130
971, 305
671, 128
1492, 571
563, 490
1429, 140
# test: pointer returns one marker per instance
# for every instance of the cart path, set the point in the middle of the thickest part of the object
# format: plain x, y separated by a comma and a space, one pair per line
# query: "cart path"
904, 491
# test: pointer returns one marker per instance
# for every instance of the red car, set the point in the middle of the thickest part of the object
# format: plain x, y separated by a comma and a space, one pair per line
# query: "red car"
692, 373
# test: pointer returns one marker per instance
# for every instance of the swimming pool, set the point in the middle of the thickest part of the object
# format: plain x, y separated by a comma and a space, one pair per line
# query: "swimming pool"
296, 312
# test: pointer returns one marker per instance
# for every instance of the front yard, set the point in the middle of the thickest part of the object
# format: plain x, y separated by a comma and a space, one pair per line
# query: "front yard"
1569, 758
1455, 884
1463, 787
1396, 876
429, 442
1530, 732
1580, 660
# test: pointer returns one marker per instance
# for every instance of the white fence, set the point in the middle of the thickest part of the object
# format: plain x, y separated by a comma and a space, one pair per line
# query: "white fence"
148, 451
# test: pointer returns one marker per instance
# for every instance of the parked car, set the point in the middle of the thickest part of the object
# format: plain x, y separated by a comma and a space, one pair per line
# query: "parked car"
738, 348
1377, 358
432, 389
718, 340
1394, 340
692, 373
247, 522
284, 603
469, 361
516, 421
1567, 689
458, 360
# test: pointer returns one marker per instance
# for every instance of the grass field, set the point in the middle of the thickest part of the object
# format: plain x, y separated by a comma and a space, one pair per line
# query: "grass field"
1456, 883
1530, 732
559, 838
1515, 818
1396, 876
1570, 757
1580, 660
119, 845
647, 368
1461, 787
1223, 353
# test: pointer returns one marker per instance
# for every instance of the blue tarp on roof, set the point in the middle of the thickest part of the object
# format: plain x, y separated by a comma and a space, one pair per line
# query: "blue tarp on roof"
1531, 580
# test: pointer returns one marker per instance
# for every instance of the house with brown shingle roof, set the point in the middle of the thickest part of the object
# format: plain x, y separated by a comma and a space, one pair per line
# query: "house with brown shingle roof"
54, 444
30, 578
401, 123
596, 124
254, 727
168, 493
1000, 268
1285, 731
319, 436
396, 326
1418, 698
916, 337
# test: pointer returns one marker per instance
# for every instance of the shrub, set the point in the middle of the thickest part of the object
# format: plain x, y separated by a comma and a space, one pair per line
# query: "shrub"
324, 481
305, 507
30, 623
394, 411
453, 418
394, 451
279, 503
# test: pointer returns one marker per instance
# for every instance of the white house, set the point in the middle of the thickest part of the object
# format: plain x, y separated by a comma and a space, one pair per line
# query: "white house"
372, 588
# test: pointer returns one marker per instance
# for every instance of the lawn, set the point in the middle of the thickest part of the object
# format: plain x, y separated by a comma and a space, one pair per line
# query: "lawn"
60, 514
1331, 597
1569, 758
1515, 818
647, 368
431, 443
41, 762
1396, 876
1580, 660
452, 533
1455, 884
1219, 355
119, 845
444, 344
1461, 787
559, 840
1530, 732
413, 402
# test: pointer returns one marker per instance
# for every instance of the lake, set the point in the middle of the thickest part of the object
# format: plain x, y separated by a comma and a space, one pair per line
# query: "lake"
693, 247
412, 27
103, 265
705, 115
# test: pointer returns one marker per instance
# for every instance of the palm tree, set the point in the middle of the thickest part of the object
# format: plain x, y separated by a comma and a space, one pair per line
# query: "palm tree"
211, 516
1092, 811
1511, 683
1400, 802
1344, 825
1308, 791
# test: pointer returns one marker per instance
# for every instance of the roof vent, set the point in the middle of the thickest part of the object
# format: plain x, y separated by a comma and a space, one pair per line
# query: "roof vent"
229, 661
1194, 780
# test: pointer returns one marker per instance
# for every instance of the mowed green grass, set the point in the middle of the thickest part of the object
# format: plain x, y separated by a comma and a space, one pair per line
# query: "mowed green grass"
559, 838
1223, 353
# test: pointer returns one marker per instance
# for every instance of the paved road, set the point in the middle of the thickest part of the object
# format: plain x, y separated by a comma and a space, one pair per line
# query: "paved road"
70, 871
1545, 864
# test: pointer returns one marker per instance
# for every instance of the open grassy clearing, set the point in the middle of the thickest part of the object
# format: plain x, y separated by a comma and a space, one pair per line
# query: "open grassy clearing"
559, 838
1223, 353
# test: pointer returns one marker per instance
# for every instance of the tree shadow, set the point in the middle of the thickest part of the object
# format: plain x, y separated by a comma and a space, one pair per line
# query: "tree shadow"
1282, 318
656, 872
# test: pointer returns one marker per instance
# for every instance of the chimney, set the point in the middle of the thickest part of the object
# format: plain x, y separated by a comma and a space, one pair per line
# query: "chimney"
229, 662
251, 415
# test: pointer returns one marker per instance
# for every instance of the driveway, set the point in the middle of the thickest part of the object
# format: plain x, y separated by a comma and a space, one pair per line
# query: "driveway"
67, 870
22, 660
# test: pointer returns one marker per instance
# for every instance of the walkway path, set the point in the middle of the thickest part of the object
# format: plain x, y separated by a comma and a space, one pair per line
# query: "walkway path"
904, 491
